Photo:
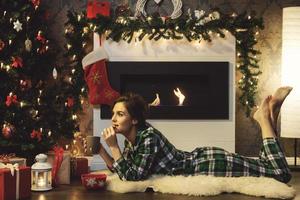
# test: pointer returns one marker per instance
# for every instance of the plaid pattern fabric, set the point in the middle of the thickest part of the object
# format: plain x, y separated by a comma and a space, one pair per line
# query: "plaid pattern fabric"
152, 154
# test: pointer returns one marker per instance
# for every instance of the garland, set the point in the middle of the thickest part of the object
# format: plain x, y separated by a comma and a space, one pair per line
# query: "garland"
194, 27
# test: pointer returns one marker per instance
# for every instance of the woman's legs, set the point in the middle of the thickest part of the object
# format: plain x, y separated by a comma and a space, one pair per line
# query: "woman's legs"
271, 150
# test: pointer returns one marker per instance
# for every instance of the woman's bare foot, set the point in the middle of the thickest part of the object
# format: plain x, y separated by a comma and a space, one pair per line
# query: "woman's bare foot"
275, 104
262, 114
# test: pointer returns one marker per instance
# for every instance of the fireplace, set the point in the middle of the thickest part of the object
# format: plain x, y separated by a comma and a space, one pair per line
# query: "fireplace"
205, 86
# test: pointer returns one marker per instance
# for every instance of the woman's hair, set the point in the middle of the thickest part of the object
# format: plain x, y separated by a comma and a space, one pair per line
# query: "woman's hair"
136, 106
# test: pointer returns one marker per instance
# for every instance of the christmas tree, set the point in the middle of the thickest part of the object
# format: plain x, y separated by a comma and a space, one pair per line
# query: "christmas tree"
38, 98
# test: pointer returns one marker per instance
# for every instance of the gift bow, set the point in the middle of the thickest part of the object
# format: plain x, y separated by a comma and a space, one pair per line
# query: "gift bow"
11, 167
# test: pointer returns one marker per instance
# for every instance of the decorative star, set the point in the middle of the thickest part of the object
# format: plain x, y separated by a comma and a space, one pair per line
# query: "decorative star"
96, 78
91, 182
17, 26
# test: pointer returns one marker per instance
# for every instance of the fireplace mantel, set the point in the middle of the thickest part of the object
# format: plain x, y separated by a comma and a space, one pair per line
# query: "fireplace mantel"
184, 134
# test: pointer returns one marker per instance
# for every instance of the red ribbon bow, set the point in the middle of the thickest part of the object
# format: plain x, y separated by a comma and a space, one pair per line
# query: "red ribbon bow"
36, 134
11, 99
17, 62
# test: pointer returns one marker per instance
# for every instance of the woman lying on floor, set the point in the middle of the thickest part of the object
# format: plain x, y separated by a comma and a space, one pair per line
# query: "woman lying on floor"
148, 152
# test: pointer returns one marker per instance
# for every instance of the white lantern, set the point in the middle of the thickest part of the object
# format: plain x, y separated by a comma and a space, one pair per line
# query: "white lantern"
41, 179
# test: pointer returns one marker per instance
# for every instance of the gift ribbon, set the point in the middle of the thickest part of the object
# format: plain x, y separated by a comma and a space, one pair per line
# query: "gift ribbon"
5, 157
12, 168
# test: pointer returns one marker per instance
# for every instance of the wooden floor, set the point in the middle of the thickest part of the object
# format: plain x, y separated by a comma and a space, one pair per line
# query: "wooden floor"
76, 191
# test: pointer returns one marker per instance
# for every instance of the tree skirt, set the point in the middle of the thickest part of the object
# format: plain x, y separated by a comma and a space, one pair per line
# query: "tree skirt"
202, 185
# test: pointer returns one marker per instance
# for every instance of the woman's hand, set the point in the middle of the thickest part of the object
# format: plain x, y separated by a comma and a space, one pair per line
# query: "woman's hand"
110, 137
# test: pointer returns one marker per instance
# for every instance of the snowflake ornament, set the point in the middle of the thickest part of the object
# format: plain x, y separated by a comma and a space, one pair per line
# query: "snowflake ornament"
17, 25
91, 182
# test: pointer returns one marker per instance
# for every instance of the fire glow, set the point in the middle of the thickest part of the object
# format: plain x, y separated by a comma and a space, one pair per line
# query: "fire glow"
177, 92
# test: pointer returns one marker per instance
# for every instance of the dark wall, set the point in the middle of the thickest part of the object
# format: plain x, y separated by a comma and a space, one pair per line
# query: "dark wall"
248, 139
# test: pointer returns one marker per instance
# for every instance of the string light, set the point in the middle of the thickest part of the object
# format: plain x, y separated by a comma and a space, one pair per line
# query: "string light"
49, 133
22, 104
74, 117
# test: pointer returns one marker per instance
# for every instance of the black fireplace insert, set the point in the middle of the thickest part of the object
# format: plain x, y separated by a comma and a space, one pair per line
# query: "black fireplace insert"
205, 86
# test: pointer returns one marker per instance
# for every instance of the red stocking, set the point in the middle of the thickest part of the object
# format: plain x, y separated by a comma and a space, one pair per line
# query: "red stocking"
100, 91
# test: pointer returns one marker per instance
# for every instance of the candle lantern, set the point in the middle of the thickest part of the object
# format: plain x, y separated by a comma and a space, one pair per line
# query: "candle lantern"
41, 179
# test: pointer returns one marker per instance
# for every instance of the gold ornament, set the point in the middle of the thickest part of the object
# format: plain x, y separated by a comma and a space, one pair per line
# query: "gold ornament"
28, 45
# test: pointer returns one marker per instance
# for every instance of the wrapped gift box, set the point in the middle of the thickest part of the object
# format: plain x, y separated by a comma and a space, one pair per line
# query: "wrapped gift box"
95, 7
15, 160
93, 181
64, 170
16, 186
79, 166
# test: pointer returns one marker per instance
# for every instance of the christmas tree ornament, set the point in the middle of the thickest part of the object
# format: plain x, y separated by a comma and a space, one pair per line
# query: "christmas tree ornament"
122, 10
40, 37
17, 25
36, 135
70, 102
2, 45
54, 73
11, 99
17, 62
7, 131
28, 45
36, 3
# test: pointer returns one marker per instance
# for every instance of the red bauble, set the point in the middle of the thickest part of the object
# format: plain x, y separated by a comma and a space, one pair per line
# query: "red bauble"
7, 131
2, 45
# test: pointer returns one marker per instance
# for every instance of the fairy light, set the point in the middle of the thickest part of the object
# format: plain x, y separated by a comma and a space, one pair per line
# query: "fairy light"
47, 47
22, 104
74, 117
249, 17
78, 17
40, 91
66, 104
41, 130
4, 13
49, 133
73, 71
74, 57
82, 89
83, 44
2, 65
233, 15
36, 112
27, 18
69, 46
238, 54
70, 79
82, 102
67, 146
177, 27
8, 68
9, 41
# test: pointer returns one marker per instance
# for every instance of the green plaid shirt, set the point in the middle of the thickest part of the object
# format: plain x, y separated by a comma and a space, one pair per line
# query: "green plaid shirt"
152, 154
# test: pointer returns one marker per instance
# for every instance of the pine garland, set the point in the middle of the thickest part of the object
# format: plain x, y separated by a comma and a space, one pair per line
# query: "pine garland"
196, 27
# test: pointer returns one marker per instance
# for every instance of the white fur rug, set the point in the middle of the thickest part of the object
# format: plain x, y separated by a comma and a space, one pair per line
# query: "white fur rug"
202, 185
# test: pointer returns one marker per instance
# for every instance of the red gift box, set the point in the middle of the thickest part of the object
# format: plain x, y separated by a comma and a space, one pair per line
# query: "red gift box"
97, 7
79, 166
8, 183
93, 181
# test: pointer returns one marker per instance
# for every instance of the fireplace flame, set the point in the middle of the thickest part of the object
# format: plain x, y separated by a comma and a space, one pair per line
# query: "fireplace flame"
180, 96
156, 101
